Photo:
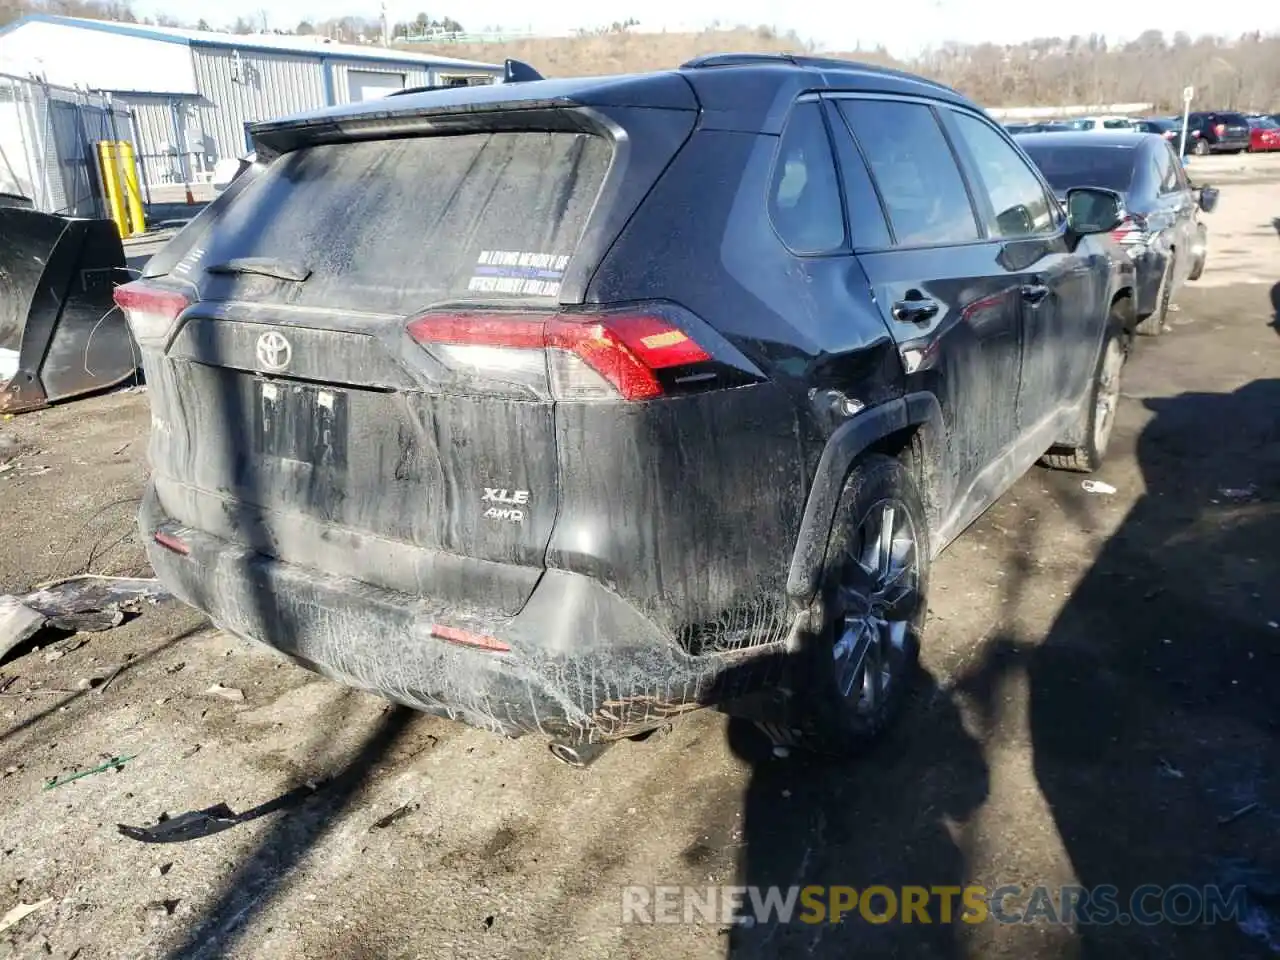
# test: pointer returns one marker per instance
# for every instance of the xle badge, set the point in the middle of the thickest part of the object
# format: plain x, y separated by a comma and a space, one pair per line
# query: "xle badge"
506, 504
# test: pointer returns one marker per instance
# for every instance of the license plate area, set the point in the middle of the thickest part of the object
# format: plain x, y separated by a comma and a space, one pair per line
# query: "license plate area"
299, 422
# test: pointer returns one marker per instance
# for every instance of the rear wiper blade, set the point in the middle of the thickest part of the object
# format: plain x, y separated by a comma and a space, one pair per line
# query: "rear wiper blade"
263, 267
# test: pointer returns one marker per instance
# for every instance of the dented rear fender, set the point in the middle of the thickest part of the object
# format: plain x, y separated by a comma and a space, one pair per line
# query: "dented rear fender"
845, 446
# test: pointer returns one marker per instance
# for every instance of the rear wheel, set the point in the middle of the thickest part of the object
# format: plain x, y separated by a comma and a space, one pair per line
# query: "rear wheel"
858, 668
1153, 325
1201, 149
1104, 398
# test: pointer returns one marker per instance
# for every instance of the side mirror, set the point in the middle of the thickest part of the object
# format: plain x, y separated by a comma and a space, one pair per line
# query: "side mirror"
1093, 210
1208, 198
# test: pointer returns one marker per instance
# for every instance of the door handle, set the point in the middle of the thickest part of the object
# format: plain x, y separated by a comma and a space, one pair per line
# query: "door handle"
1033, 293
915, 311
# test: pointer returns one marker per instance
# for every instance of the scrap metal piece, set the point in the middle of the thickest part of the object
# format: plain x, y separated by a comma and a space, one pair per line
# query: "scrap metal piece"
57, 315
18, 623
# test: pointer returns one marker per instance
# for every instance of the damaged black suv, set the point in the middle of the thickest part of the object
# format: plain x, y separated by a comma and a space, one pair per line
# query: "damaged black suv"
571, 405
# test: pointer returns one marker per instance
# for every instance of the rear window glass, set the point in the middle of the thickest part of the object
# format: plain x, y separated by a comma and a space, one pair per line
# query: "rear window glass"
1066, 167
394, 225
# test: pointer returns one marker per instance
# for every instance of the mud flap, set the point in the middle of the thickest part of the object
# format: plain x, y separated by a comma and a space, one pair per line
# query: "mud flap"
60, 333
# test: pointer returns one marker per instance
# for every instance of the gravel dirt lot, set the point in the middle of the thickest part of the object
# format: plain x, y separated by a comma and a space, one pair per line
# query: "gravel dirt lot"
1098, 706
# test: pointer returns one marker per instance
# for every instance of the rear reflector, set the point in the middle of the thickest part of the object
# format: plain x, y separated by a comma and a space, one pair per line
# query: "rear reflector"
150, 310
623, 353
465, 638
170, 542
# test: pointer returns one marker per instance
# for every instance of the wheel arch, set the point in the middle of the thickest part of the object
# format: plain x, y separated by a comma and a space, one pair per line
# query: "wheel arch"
909, 428
1124, 302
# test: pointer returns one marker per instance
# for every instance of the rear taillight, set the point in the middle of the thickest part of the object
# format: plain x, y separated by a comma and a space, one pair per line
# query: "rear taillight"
1131, 232
150, 310
1220, 129
637, 355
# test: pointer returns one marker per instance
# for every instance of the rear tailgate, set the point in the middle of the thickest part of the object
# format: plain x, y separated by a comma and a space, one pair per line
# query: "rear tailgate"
294, 412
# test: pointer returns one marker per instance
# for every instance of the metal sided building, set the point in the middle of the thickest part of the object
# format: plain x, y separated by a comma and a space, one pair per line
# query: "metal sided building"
192, 93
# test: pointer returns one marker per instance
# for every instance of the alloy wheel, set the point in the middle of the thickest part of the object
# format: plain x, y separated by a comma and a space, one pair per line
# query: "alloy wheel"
878, 601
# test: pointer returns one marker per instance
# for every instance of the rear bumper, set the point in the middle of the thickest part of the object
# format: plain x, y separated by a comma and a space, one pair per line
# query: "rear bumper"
583, 663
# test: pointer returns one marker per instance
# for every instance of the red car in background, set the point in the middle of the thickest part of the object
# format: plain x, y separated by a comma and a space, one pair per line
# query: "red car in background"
1264, 134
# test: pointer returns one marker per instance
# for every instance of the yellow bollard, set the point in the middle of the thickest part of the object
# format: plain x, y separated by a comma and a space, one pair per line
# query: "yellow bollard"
133, 196
111, 185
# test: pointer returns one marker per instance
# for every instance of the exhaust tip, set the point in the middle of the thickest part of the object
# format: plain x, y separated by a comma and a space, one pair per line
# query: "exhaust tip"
578, 755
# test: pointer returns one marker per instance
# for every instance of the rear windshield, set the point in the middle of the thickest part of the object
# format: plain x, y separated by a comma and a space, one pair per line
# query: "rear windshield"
394, 225
1066, 167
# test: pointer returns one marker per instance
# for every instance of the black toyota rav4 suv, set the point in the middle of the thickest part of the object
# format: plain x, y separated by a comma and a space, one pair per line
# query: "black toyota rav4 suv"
571, 405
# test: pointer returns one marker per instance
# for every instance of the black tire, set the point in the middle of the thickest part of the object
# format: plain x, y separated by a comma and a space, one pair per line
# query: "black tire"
1154, 325
1088, 457
818, 716
1201, 149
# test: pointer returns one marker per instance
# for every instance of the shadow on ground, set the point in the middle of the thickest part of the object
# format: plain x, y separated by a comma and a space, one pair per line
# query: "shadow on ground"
1153, 707
1152, 715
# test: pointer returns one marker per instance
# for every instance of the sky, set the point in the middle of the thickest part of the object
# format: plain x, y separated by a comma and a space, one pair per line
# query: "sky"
903, 26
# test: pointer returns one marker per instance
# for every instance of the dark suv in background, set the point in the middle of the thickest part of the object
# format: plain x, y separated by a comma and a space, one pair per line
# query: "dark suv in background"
572, 405
1217, 132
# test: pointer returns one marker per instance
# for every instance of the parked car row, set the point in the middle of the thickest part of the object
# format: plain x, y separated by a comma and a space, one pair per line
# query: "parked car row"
1208, 132
662, 391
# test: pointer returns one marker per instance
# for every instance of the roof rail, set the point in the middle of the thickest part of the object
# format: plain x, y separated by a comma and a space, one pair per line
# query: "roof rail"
804, 61
737, 59
408, 90
517, 71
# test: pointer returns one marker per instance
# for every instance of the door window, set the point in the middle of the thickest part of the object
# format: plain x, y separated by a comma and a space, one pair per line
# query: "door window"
1020, 206
915, 170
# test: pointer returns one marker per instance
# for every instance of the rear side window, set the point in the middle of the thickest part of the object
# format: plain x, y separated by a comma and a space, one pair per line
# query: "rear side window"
804, 198
866, 217
1019, 204
1116, 125
915, 171
394, 225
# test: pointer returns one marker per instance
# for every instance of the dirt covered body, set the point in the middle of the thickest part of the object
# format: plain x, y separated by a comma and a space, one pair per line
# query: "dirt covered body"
552, 438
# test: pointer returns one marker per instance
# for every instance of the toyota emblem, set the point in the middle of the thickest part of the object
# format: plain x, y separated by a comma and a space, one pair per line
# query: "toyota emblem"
274, 351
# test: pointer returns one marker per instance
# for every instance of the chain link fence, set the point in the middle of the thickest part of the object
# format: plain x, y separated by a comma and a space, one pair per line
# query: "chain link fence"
47, 145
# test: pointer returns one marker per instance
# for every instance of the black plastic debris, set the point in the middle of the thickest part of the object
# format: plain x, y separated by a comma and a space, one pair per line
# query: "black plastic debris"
196, 824
397, 814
